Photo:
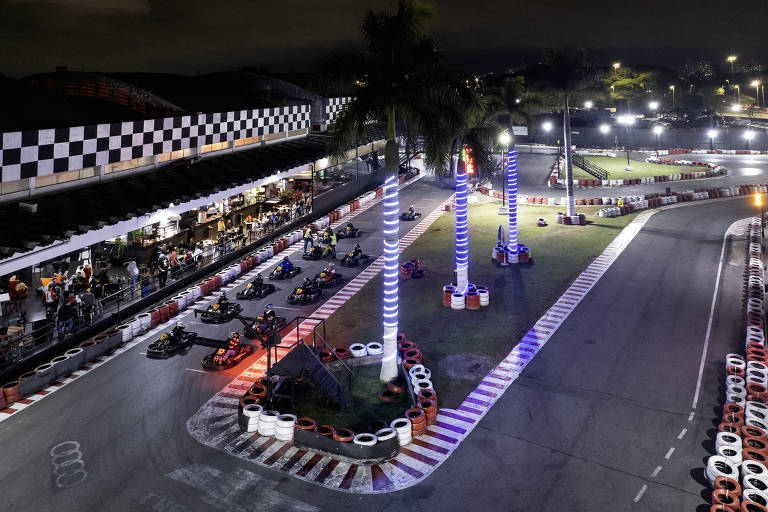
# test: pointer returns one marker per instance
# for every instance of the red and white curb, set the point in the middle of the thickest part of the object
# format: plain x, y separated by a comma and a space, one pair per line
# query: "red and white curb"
215, 424
27, 401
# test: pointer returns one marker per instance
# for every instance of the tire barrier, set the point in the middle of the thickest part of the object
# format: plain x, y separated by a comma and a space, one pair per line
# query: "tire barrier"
741, 441
358, 350
374, 348
268, 423
343, 435
402, 427
284, 427
68, 465
251, 414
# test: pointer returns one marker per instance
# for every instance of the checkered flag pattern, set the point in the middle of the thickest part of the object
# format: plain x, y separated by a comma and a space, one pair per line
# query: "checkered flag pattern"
335, 106
42, 152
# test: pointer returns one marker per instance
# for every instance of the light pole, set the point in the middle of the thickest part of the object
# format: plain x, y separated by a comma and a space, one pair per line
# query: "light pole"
504, 140
587, 105
749, 135
616, 65
731, 59
712, 134
756, 85
604, 129
738, 93
657, 130
547, 126
627, 120
672, 87
654, 106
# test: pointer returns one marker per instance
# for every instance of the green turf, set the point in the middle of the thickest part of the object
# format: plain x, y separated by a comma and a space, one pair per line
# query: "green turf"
460, 347
617, 168
364, 405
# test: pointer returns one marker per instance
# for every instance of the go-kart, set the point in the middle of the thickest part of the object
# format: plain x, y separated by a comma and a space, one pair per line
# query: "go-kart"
317, 252
225, 358
410, 270
170, 343
409, 216
284, 272
353, 259
347, 232
325, 236
327, 279
260, 325
221, 311
256, 289
304, 294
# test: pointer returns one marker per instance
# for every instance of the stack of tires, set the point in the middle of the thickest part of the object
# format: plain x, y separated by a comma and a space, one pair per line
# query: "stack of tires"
738, 471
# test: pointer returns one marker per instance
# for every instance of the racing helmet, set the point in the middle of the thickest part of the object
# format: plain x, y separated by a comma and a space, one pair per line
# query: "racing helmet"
285, 258
179, 324
269, 306
357, 246
331, 265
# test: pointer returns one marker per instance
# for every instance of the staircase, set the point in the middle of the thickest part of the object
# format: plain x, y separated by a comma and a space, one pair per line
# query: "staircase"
303, 358
589, 167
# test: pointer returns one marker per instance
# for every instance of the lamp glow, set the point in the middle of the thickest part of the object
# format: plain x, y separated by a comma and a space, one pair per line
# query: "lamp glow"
658, 129
547, 126
653, 105
712, 134
588, 104
505, 138
749, 135
604, 128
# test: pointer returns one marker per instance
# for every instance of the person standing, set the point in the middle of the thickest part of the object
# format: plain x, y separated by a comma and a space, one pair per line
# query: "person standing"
133, 272
333, 244
162, 268
308, 238
66, 318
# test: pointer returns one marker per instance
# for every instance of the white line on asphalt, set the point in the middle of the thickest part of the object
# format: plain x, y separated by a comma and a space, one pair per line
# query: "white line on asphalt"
640, 494
682, 433
198, 371
690, 417
670, 452
655, 471
709, 324
283, 307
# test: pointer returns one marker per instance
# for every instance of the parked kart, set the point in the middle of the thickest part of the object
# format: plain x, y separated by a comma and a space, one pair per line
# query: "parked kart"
410, 270
256, 289
225, 358
221, 311
317, 252
171, 342
409, 215
327, 279
261, 325
325, 236
305, 293
284, 271
353, 258
348, 232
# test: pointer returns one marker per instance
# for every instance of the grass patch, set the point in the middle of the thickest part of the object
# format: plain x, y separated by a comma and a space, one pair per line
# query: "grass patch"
364, 405
616, 167
460, 347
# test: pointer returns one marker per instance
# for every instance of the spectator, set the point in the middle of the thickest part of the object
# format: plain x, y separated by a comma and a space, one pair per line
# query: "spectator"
88, 301
174, 263
133, 271
162, 269
66, 318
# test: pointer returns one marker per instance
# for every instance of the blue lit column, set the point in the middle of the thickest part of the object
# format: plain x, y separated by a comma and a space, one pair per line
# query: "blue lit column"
512, 245
391, 278
462, 236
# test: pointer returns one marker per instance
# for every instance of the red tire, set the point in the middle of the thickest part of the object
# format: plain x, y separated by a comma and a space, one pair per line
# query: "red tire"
728, 484
343, 435
751, 431
324, 430
306, 424
725, 497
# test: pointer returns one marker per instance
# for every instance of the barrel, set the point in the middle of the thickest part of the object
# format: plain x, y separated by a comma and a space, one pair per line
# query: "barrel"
146, 322
135, 324
217, 281
447, 293
77, 356
485, 297
173, 307
473, 300
126, 333
165, 312
154, 314
457, 301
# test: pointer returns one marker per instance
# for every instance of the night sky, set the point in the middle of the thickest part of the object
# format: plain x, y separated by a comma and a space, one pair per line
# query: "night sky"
193, 36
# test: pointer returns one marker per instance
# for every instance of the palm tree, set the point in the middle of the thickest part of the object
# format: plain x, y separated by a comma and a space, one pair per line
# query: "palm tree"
400, 59
567, 73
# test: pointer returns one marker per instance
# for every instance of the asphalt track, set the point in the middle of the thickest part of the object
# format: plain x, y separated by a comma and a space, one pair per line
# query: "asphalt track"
584, 428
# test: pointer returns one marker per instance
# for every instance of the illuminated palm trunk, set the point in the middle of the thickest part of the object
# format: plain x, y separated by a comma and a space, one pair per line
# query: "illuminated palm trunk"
512, 245
462, 235
391, 233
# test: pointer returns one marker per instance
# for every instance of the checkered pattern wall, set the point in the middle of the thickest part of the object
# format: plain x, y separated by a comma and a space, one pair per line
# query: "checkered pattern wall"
42, 152
335, 106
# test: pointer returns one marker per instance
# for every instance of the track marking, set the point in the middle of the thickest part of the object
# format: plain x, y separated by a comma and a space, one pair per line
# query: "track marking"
690, 417
656, 472
198, 371
640, 494
669, 452
682, 433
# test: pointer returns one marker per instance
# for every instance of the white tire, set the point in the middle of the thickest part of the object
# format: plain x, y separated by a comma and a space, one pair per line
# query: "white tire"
286, 421
252, 410
754, 495
358, 350
266, 429
727, 439
405, 440
375, 348
284, 436
417, 368
737, 390
755, 414
402, 426
752, 421
732, 453
735, 380
757, 482
738, 363
757, 380
386, 434
365, 439
734, 356
718, 465
735, 399
269, 416
416, 377
757, 405
753, 467
757, 365
421, 385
